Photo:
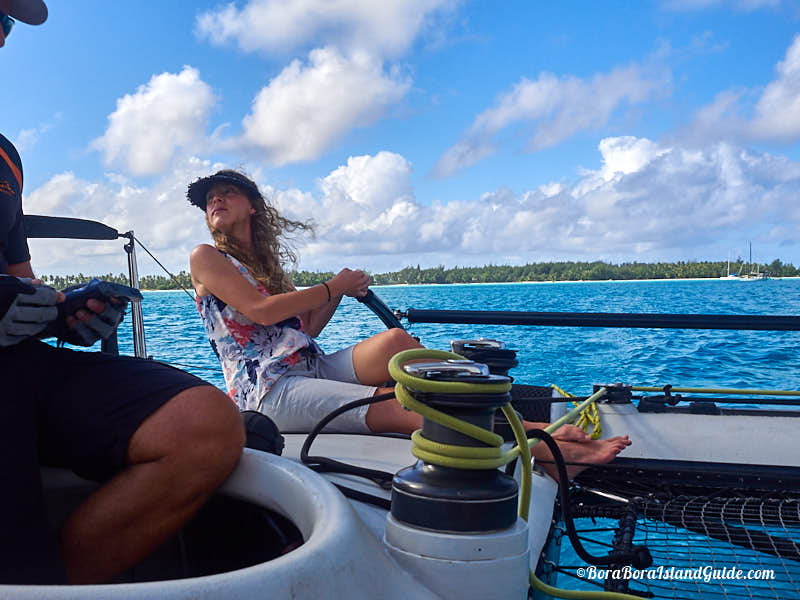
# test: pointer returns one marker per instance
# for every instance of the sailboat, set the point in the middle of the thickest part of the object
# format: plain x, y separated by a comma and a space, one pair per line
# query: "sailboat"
734, 276
754, 274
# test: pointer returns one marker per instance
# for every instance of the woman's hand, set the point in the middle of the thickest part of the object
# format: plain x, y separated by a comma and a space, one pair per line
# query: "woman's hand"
350, 283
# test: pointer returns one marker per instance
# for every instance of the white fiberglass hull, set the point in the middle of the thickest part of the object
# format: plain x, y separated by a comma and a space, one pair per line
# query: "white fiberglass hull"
344, 554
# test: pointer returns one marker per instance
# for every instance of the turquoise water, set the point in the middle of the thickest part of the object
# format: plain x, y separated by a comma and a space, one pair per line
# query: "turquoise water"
572, 358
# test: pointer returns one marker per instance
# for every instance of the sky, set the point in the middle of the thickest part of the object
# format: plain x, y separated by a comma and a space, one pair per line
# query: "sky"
409, 132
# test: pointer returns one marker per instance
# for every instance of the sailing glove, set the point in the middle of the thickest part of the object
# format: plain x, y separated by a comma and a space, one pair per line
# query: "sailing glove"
100, 325
25, 309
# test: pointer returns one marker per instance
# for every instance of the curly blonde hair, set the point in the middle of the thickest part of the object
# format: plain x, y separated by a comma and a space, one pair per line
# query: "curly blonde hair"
270, 252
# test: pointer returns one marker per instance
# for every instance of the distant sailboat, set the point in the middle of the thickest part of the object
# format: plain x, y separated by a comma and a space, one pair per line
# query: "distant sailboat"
729, 276
754, 274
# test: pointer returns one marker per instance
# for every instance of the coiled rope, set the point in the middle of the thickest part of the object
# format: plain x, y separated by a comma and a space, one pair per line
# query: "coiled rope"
588, 416
480, 458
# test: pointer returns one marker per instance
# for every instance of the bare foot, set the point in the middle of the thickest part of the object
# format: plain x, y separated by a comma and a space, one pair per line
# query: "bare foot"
571, 433
579, 456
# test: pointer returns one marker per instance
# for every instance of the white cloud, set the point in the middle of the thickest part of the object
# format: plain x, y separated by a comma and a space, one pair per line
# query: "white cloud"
556, 108
159, 215
344, 83
310, 106
627, 155
148, 126
720, 119
54, 197
777, 112
387, 28
26, 139
374, 182
366, 206
645, 201
771, 114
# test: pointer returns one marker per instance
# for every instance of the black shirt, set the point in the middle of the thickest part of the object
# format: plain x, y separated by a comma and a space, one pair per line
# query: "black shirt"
13, 244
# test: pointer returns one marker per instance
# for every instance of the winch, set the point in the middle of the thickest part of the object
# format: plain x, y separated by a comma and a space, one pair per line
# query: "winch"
454, 520
492, 353
455, 499
500, 360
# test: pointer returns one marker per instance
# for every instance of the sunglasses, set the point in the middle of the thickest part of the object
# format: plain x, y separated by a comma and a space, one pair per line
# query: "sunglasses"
6, 23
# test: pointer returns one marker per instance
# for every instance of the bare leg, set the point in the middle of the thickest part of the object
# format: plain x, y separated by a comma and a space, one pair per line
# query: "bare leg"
565, 433
370, 361
389, 416
371, 356
177, 458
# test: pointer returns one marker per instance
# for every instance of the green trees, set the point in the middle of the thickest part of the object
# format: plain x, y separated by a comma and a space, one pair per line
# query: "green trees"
148, 282
571, 271
550, 271
61, 281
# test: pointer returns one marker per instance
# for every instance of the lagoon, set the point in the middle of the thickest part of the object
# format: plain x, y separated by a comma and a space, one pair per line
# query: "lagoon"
572, 358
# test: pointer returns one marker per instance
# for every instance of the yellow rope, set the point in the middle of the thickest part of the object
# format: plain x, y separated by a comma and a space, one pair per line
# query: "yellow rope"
589, 415
488, 457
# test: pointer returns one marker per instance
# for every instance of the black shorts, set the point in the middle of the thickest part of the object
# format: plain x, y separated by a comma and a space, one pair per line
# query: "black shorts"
70, 409
87, 404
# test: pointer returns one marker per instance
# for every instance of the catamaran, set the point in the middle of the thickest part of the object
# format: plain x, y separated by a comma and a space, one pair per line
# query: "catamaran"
705, 504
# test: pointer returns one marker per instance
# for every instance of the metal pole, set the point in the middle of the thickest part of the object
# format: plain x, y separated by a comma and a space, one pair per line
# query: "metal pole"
139, 344
626, 320
690, 390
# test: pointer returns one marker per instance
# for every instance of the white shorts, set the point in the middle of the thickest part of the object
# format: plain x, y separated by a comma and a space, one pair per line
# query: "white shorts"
312, 389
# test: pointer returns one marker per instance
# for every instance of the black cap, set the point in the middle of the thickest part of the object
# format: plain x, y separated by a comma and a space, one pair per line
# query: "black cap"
197, 190
32, 12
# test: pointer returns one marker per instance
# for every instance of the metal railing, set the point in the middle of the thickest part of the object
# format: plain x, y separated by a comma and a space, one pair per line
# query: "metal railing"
624, 320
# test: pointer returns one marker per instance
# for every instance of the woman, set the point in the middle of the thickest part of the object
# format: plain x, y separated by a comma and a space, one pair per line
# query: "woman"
262, 329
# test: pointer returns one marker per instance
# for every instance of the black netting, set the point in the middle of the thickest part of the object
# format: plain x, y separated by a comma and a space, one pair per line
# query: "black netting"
725, 545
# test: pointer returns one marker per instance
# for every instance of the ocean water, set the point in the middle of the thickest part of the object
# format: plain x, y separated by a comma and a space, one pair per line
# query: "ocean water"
570, 357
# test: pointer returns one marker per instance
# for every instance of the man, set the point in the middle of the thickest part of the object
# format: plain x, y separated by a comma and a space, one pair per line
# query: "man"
159, 439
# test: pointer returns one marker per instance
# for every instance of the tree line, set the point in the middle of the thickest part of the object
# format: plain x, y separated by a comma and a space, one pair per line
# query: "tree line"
545, 271
148, 282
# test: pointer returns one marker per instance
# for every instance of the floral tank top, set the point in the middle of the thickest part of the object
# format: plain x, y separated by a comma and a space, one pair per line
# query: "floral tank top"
253, 356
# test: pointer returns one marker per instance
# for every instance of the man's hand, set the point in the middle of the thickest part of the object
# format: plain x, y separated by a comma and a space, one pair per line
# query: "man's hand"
91, 312
84, 328
26, 308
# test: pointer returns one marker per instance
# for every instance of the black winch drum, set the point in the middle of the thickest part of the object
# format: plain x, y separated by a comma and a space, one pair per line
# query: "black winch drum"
449, 499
